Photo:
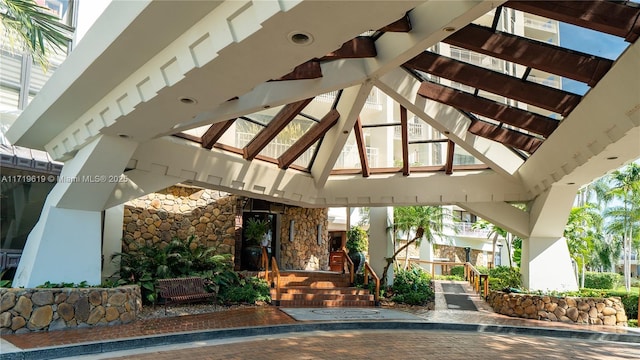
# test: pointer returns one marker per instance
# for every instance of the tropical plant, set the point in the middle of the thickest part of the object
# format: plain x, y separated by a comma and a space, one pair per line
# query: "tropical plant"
246, 290
357, 240
33, 28
412, 286
255, 229
177, 259
417, 223
583, 233
501, 277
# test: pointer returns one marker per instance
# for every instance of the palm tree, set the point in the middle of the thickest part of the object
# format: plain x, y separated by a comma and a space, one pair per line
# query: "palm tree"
625, 187
417, 223
33, 28
582, 232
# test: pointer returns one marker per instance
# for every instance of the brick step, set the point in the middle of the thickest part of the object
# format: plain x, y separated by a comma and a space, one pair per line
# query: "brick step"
337, 290
326, 303
322, 277
321, 297
315, 284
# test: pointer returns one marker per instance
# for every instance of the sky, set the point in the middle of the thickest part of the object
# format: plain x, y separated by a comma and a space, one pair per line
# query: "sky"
590, 42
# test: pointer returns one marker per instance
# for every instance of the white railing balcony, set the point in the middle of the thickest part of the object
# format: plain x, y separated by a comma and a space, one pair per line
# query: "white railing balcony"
466, 229
415, 131
549, 25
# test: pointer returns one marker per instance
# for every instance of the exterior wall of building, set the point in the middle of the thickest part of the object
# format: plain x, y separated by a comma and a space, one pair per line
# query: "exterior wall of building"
305, 252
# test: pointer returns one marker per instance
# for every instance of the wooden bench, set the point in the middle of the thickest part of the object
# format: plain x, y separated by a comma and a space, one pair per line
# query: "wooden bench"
183, 290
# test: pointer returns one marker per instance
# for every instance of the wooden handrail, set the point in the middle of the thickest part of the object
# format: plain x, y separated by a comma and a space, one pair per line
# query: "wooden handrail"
276, 277
350, 266
432, 263
368, 269
264, 262
480, 282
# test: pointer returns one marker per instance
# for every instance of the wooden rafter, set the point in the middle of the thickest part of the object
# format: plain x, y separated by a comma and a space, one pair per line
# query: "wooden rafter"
545, 97
609, 17
401, 25
359, 47
277, 124
404, 126
525, 120
308, 70
214, 132
448, 166
308, 138
538, 55
362, 148
508, 137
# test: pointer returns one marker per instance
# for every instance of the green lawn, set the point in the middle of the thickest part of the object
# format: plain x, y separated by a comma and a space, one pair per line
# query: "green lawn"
634, 290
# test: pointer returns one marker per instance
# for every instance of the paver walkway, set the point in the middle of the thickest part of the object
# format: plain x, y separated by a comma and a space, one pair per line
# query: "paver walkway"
195, 333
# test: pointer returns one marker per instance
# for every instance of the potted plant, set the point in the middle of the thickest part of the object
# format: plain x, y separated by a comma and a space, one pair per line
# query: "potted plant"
254, 231
357, 244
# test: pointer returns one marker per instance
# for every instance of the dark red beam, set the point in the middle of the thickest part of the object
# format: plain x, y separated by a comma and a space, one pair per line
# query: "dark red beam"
277, 124
404, 126
615, 18
545, 97
214, 132
506, 114
362, 148
359, 47
504, 136
401, 25
448, 166
308, 139
309, 70
538, 55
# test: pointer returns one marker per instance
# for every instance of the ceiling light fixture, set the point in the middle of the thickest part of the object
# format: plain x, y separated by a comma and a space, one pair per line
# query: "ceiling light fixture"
449, 29
124, 136
300, 38
612, 157
187, 100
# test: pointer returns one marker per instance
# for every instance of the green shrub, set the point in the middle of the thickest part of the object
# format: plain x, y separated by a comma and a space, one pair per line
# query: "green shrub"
501, 277
412, 287
178, 259
632, 323
246, 290
357, 240
598, 280
449, 277
457, 271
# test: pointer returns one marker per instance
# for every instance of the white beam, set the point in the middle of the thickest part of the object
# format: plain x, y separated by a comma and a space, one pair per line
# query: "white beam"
502, 214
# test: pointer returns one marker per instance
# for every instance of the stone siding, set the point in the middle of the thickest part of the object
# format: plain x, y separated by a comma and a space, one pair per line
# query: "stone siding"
457, 254
29, 310
180, 212
304, 253
592, 311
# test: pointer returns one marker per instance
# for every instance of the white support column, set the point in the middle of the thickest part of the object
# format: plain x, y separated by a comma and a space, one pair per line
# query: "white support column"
546, 262
112, 240
65, 244
546, 265
380, 241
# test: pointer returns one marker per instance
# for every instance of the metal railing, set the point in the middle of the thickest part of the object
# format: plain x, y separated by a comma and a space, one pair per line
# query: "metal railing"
264, 263
276, 279
479, 282
445, 265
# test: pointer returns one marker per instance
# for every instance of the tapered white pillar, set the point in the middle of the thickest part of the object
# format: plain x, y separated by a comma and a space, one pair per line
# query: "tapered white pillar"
380, 240
65, 244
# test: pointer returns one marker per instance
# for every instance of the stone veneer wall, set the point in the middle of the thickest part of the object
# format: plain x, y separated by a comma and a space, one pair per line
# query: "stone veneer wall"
304, 253
28, 310
457, 254
593, 311
180, 211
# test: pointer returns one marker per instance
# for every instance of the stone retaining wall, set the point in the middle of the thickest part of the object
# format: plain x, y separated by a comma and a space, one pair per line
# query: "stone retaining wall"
27, 310
593, 311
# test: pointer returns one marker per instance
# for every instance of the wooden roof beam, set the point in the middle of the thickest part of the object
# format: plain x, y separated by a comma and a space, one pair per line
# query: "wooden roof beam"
615, 18
362, 148
308, 138
401, 25
574, 65
214, 132
545, 97
504, 136
500, 112
404, 126
448, 166
277, 124
359, 47
308, 70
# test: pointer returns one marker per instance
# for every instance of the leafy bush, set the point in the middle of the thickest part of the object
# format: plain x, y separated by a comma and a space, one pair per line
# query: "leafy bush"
412, 287
598, 280
457, 271
449, 277
247, 290
357, 240
178, 259
501, 277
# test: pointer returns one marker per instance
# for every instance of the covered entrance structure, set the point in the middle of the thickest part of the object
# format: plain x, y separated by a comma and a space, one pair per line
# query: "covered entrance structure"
285, 101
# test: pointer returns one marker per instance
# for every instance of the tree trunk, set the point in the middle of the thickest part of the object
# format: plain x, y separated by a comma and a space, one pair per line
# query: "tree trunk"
390, 261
